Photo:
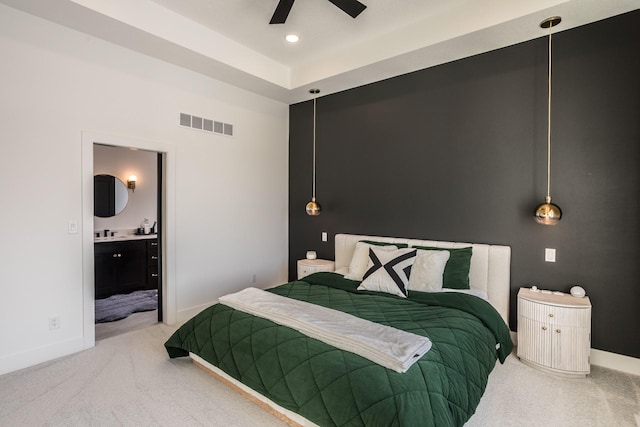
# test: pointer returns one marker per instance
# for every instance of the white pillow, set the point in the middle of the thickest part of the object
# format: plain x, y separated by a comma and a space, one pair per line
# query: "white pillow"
427, 271
388, 271
360, 259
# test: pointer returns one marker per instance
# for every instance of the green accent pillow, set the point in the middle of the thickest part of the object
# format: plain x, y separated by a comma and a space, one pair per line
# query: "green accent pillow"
398, 245
456, 272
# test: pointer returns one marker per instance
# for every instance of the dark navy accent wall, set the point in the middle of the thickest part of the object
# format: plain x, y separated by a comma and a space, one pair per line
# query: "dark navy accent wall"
458, 152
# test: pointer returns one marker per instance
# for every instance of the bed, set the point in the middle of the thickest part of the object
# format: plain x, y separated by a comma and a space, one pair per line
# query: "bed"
306, 381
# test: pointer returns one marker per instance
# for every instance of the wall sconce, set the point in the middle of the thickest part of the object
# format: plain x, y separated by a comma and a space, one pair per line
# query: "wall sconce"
131, 182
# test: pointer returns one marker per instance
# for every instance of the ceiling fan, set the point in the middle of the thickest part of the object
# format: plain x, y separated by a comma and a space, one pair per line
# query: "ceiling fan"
352, 8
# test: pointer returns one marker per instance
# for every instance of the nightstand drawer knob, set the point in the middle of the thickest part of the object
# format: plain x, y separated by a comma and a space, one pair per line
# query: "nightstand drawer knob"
558, 330
550, 314
544, 328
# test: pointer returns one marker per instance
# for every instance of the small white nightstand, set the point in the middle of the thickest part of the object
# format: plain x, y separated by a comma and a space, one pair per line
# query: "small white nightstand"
554, 332
308, 266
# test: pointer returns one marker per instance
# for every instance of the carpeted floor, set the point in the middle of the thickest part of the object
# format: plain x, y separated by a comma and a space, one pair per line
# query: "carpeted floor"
128, 380
518, 395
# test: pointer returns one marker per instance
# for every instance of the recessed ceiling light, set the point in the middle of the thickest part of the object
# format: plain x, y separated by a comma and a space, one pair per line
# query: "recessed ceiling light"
292, 38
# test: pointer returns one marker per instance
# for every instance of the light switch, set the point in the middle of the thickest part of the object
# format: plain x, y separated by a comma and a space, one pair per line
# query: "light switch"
549, 255
324, 236
73, 227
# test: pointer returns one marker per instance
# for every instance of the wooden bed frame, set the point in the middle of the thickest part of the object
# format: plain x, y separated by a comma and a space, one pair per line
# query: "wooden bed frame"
490, 272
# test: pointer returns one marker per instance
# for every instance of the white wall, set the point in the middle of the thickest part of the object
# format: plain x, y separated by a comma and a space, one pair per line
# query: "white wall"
230, 193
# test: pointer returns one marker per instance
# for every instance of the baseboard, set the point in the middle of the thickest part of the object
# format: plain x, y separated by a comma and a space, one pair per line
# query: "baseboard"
618, 362
17, 361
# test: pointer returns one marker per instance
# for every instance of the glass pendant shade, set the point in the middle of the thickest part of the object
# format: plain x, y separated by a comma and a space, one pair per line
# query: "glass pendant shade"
313, 208
547, 213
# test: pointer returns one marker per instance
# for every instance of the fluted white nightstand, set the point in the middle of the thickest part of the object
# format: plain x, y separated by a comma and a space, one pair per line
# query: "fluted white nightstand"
308, 266
554, 332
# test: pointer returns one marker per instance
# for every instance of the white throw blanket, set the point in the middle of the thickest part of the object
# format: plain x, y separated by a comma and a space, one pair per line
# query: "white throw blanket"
389, 347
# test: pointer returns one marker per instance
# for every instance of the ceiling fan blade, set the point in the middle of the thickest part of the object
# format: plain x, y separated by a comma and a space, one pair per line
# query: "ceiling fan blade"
282, 11
350, 7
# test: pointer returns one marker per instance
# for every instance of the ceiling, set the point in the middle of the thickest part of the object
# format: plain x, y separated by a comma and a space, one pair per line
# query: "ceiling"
232, 41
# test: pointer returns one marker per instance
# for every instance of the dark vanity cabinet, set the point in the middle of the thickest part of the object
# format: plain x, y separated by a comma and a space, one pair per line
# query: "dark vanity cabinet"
122, 267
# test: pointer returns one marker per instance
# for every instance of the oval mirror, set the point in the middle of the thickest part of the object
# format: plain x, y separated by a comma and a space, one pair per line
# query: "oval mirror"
110, 196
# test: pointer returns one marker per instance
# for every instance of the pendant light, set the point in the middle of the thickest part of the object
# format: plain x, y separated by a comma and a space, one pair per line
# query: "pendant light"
313, 208
548, 213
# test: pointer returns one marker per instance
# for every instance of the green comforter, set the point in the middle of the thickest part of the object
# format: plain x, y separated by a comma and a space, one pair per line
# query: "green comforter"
331, 387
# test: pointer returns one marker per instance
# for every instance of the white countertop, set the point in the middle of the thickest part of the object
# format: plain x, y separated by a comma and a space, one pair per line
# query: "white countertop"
119, 238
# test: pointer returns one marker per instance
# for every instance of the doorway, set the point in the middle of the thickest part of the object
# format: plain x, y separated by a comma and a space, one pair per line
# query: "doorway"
165, 225
127, 236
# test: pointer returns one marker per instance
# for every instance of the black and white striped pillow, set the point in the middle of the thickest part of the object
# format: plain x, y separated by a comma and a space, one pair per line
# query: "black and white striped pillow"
388, 271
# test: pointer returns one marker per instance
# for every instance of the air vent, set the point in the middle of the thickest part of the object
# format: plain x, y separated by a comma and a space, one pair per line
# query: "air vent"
205, 125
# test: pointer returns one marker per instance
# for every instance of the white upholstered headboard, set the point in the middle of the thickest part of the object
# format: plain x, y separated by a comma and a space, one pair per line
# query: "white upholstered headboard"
490, 269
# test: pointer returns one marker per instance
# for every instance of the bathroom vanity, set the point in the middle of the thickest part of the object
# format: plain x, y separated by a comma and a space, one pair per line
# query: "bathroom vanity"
125, 264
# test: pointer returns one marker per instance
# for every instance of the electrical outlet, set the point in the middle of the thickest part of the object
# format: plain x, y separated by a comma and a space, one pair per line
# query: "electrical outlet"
550, 255
54, 322
73, 227
324, 236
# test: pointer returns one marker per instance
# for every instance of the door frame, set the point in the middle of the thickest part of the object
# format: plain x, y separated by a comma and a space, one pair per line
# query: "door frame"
168, 276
